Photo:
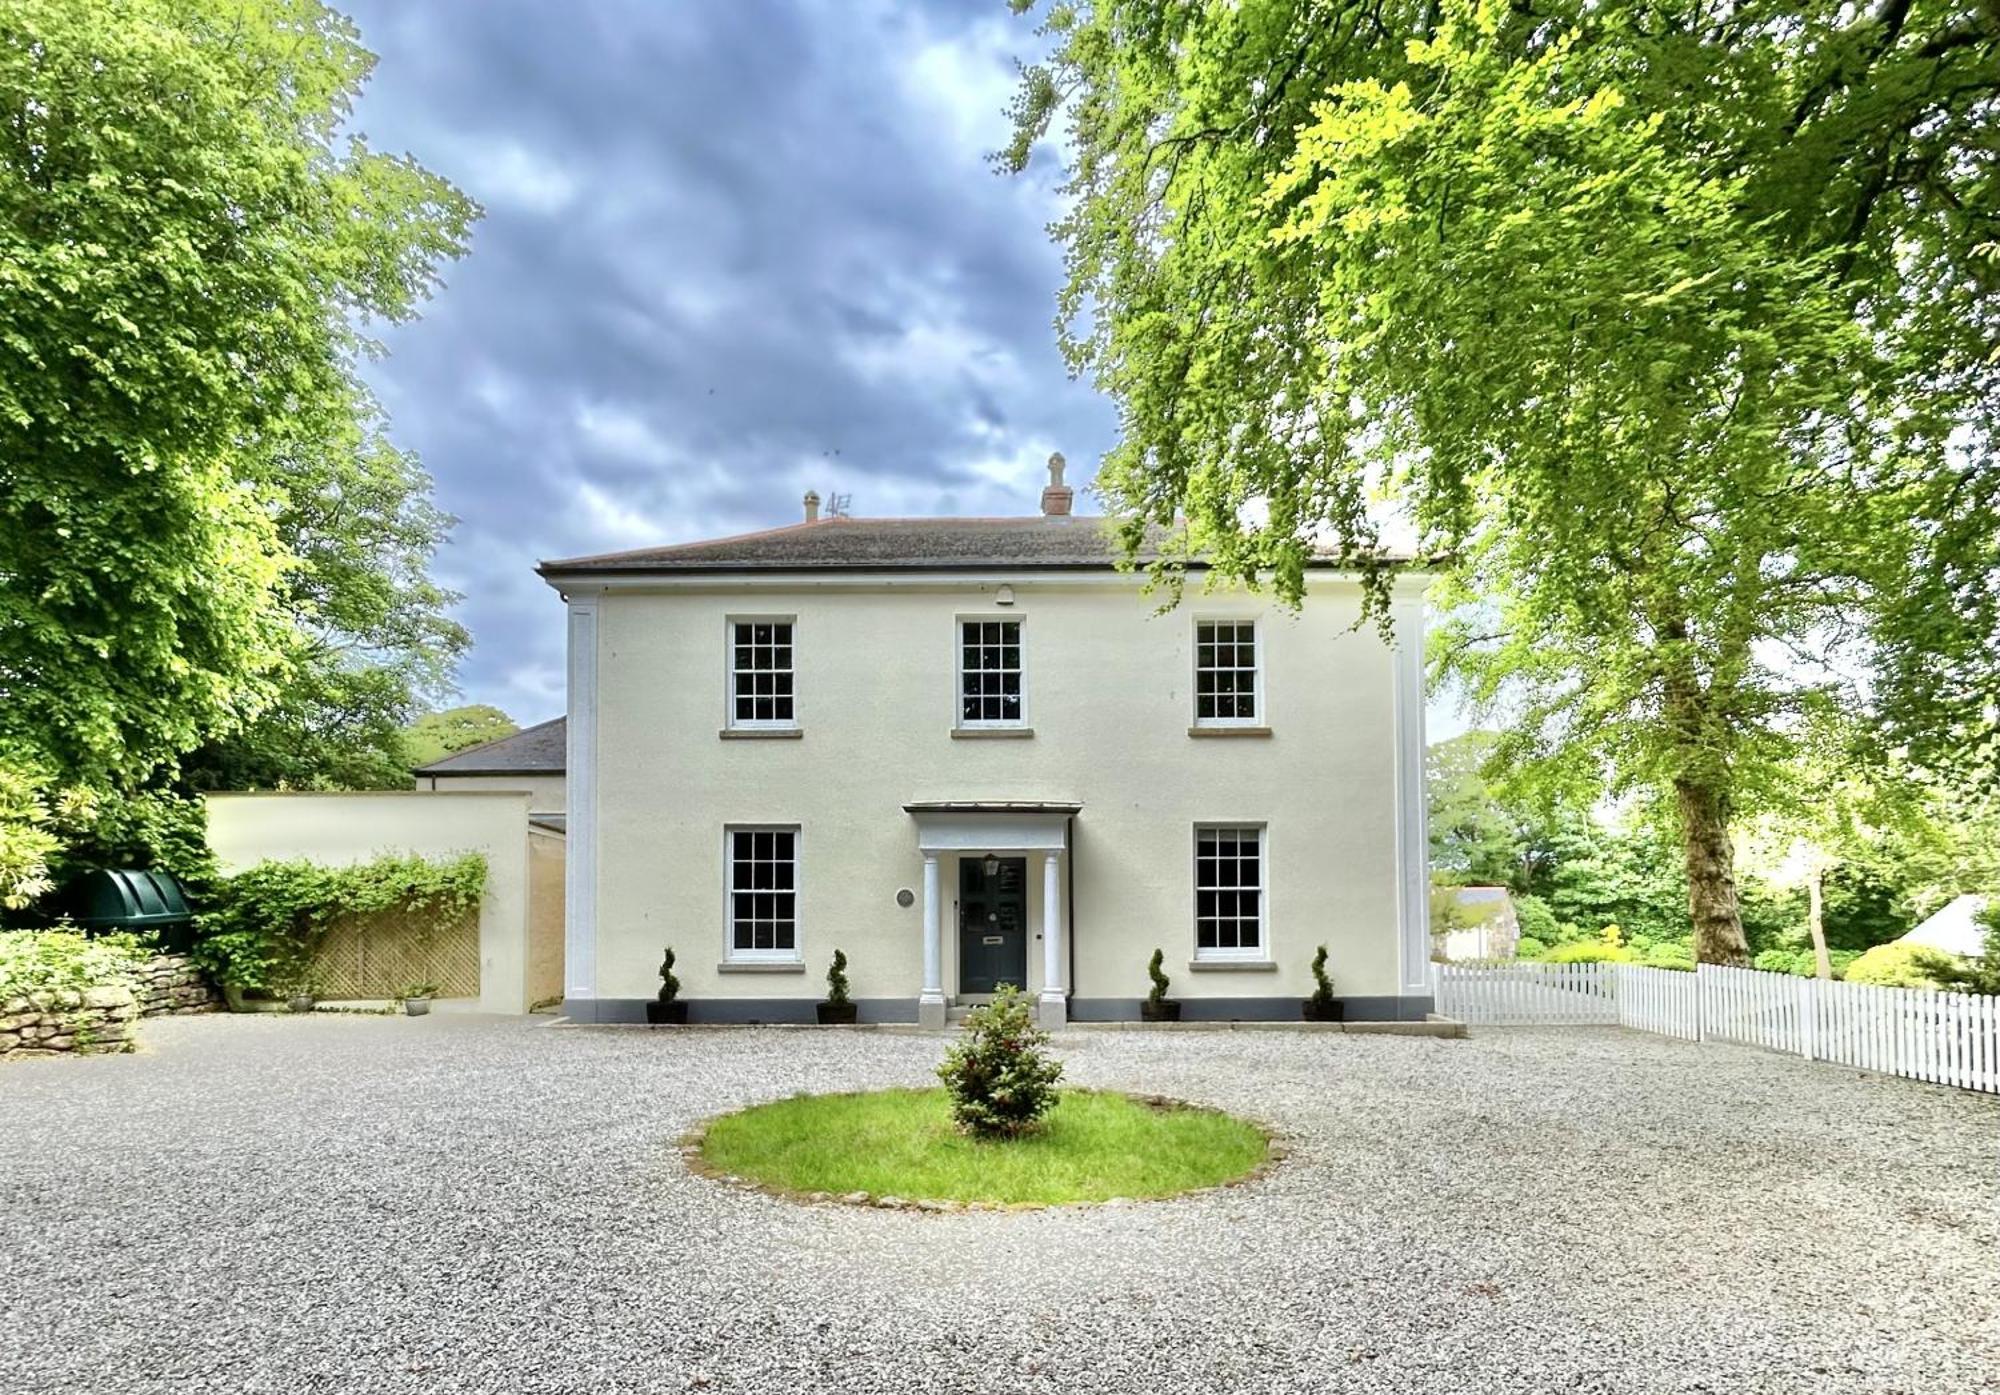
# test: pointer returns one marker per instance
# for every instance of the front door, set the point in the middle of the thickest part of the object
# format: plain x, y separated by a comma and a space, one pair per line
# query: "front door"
992, 923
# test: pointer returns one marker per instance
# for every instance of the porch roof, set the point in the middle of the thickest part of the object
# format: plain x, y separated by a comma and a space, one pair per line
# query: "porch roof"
992, 825
992, 806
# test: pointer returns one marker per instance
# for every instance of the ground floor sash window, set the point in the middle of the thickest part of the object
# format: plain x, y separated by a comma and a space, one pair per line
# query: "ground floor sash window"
763, 885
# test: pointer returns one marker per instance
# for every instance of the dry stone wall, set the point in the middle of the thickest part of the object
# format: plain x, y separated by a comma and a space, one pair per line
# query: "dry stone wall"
88, 1019
104, 1018
170, 985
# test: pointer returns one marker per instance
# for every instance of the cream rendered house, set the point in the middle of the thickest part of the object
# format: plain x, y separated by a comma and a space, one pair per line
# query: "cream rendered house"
969, 751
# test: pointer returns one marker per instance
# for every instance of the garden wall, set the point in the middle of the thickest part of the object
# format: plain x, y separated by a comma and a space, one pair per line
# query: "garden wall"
169, 985
78, 1020
337, 829
103, 1016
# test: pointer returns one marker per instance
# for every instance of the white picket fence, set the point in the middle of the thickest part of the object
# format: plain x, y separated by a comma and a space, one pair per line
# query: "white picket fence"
1945, 1038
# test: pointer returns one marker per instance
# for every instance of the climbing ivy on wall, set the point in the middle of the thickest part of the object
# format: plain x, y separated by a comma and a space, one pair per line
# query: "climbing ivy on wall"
263, 925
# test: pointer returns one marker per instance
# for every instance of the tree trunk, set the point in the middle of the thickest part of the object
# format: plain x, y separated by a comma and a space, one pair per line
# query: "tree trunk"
1816, 918
1711, 874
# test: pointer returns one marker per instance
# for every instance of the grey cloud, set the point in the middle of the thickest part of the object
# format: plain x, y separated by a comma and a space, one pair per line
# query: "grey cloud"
732, 250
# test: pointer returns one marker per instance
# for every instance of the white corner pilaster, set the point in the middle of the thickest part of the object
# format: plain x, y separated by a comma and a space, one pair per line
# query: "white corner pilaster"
1054, 1007
580, 775
1406, 614
930, 1006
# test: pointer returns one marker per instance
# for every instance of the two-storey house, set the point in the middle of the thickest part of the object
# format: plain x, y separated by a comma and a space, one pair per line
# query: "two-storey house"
972, 751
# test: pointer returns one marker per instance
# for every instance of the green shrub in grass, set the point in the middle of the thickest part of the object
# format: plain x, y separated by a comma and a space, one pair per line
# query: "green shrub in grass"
1000, 1075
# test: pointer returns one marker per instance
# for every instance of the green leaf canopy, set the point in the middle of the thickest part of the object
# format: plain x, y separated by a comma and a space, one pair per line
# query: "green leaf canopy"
187, 256
1673, 325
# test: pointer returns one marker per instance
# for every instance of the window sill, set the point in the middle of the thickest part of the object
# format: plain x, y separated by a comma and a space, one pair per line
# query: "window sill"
761, 733
991, 733
1228, 731
1232, 966
761, 966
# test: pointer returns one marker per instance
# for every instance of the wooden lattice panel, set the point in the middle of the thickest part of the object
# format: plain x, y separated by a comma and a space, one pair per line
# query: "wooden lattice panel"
378, 956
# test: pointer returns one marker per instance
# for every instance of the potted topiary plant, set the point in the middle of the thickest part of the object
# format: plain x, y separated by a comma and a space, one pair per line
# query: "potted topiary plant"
667, 1008
302, 992
1322, 1006
838, 1007
1157, 1007
417, 998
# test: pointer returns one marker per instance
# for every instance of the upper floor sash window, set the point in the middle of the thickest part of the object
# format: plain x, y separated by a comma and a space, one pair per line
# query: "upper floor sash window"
990, 673
760, 673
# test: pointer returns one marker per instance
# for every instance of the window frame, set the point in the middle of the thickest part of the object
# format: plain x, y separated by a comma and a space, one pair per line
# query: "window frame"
730, 953
730, 720
958, 718
1261, 953
1260, 696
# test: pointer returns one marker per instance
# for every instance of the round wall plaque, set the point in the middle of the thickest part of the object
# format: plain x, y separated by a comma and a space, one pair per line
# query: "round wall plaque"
906, 898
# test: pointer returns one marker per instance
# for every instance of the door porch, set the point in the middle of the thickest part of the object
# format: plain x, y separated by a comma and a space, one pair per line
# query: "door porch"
985, 837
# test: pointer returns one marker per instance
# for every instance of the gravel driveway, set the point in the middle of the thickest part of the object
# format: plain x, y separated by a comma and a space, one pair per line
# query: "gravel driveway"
465, 1204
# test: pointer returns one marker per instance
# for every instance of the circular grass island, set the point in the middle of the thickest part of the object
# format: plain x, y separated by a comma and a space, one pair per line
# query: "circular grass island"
1093, 1146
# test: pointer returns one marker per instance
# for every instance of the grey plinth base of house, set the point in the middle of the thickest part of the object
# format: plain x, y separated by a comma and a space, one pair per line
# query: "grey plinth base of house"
738, 1012
1051, 1011
1436, 1027
1357, 1009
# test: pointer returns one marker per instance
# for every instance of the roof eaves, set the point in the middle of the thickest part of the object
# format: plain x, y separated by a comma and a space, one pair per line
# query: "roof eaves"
739, 566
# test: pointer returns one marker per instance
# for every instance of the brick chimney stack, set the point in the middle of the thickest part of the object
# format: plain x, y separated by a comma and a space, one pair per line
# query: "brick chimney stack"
1057, 495
812, 506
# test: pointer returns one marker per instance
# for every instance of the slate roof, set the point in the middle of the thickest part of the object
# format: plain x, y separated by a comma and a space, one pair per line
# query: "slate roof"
542, 749
1034, 542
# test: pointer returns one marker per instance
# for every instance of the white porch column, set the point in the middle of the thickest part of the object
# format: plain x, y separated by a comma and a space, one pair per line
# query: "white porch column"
930, 1006
1055, 1002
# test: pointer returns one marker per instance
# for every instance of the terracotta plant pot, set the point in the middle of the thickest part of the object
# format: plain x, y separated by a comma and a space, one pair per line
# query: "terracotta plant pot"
1167, 1011
660, 1014
835, 1014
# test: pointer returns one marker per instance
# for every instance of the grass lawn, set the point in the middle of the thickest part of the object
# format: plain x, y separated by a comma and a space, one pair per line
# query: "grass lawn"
1091, 1147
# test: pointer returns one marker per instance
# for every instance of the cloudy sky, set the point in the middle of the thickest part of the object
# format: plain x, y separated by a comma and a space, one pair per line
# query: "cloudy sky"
733, 250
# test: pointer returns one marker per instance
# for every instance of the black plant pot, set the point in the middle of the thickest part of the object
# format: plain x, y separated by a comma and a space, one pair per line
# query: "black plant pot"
1334, 1011
835, 1014
1167, 1011
660, 1014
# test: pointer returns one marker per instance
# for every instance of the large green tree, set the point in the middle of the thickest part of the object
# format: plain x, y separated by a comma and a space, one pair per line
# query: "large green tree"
1672, 322
1844, 804
372, 642
1477, 835
190, 254
436, 735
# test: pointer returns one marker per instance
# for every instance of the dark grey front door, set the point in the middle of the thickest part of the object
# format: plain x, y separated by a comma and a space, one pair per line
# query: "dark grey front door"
992, 923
